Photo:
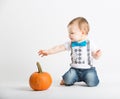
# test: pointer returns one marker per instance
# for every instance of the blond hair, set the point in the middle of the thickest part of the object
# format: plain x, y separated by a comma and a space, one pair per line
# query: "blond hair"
82, 24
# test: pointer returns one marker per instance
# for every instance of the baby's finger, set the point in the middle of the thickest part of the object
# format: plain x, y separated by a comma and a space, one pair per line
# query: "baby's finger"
40, 52
97, 51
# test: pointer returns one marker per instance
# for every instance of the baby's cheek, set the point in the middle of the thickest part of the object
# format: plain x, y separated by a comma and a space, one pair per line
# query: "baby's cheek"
77, 37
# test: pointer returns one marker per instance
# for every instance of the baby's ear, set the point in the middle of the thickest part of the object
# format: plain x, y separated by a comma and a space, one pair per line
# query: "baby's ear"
83, 33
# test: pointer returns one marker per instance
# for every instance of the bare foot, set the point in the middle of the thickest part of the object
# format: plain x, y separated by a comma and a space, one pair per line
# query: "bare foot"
62, 82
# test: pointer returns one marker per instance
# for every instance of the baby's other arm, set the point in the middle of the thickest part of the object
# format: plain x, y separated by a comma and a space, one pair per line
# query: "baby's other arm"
53, 50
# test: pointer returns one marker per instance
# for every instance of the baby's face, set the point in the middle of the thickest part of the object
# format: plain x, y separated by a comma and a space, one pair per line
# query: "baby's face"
75, 34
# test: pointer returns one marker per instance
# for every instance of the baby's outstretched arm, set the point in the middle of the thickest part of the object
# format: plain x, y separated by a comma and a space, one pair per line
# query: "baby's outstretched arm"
53, 50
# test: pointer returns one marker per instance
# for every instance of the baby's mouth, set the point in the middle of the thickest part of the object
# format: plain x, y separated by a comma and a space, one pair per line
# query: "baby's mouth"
71, 38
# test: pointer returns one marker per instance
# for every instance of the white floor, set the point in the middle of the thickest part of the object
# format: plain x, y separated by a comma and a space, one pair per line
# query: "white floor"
105, 90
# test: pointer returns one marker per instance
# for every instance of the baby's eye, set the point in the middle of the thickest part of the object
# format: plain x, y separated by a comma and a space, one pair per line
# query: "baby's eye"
71, 33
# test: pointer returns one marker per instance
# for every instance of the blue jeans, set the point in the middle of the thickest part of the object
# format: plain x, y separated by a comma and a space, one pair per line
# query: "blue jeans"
89, 76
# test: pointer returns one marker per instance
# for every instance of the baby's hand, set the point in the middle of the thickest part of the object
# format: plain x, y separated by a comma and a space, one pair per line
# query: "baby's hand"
43, 53
96, 54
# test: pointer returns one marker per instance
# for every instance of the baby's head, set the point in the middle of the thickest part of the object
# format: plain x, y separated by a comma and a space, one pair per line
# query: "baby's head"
78, 29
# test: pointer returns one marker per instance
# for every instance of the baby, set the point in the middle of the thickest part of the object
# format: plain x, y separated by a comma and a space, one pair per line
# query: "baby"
82, 54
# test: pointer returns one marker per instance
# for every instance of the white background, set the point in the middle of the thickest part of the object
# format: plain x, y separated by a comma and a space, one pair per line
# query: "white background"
29, 25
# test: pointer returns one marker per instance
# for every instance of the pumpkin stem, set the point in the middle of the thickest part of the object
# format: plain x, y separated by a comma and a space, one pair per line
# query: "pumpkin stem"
39, 67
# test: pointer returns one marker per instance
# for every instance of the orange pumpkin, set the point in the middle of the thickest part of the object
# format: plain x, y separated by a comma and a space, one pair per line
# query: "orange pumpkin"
40, 80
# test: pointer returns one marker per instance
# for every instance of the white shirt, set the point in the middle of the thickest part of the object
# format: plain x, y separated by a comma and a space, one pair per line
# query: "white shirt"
79, 55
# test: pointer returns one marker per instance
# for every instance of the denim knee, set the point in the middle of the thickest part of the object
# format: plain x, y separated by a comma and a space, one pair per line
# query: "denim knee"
70, 77
91, 78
